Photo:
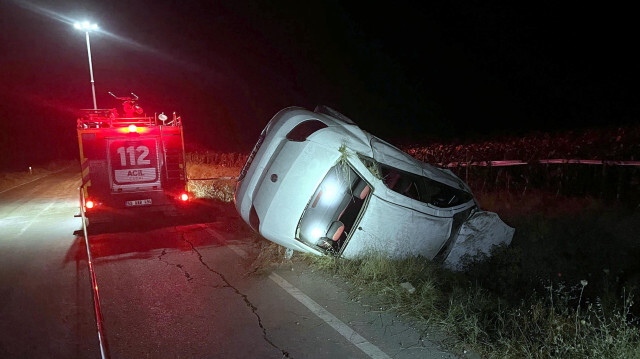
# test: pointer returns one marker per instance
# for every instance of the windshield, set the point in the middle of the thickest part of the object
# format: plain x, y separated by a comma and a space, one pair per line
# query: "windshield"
333, 209
417, 187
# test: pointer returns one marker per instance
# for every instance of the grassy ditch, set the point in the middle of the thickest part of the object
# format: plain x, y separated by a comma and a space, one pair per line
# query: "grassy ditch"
564, 288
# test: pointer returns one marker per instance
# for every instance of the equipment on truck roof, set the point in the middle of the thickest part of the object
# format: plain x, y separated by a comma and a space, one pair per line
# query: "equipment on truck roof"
131, 161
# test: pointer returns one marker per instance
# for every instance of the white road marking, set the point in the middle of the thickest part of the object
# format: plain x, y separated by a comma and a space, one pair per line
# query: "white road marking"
213, 233
351, 335
356, 339
239, 251
34, 219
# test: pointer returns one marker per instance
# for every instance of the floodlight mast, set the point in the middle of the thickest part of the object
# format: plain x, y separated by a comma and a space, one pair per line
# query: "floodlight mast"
86, 27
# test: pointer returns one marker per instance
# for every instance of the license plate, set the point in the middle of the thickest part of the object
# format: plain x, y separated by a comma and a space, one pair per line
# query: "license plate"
139, 202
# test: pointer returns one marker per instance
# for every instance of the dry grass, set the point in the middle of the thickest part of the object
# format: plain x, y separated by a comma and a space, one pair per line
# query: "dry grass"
220, 189
563, 289
555, 323
270, 257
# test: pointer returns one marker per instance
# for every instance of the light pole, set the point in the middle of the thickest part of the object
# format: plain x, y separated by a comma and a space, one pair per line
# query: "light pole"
86, 26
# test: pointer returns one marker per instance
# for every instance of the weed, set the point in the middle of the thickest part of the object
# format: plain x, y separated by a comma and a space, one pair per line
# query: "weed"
556, 323
271, 255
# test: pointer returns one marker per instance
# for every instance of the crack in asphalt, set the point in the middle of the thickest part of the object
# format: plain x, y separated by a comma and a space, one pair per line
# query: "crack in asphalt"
244, 297
179, 266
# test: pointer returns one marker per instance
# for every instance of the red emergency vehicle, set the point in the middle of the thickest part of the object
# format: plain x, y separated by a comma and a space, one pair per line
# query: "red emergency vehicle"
131, 161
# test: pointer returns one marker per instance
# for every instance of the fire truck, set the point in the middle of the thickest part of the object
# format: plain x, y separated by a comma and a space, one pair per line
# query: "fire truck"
130, 162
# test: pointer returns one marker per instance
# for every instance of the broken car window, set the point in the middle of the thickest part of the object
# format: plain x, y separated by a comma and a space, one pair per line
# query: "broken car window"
417, 187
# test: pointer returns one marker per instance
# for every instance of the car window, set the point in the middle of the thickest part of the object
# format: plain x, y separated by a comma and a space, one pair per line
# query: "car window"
332, 211
305, 129
407, 184
416, 187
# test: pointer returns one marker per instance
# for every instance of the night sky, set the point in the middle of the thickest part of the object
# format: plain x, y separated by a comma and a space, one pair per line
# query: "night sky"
449, 70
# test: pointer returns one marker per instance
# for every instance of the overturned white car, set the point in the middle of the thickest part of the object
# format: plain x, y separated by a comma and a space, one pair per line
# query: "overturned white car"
315, 182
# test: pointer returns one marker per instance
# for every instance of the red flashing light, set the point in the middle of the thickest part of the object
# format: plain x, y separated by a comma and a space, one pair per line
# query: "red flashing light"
132, 129
184, 197
89, 204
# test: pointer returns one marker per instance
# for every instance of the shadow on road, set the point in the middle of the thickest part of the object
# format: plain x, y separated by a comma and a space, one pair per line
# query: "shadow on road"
133, 236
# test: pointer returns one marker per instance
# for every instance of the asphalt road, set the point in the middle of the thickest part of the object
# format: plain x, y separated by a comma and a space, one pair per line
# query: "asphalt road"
172, 287
46, 308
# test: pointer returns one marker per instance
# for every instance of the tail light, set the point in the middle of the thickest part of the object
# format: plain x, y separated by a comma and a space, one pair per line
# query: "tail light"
89, 204
184, 197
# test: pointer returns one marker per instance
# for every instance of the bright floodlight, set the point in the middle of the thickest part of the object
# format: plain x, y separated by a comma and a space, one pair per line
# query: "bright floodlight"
85, 26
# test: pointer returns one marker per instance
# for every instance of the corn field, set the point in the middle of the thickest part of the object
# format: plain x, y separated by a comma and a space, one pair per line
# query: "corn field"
608, 181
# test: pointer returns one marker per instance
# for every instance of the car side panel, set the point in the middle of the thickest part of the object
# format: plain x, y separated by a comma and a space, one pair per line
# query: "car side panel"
397, 231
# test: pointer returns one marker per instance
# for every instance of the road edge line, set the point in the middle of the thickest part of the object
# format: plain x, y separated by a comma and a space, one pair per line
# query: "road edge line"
351, 335
347, 332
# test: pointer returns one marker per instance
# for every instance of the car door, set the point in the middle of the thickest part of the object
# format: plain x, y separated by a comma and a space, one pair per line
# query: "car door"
395, 223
